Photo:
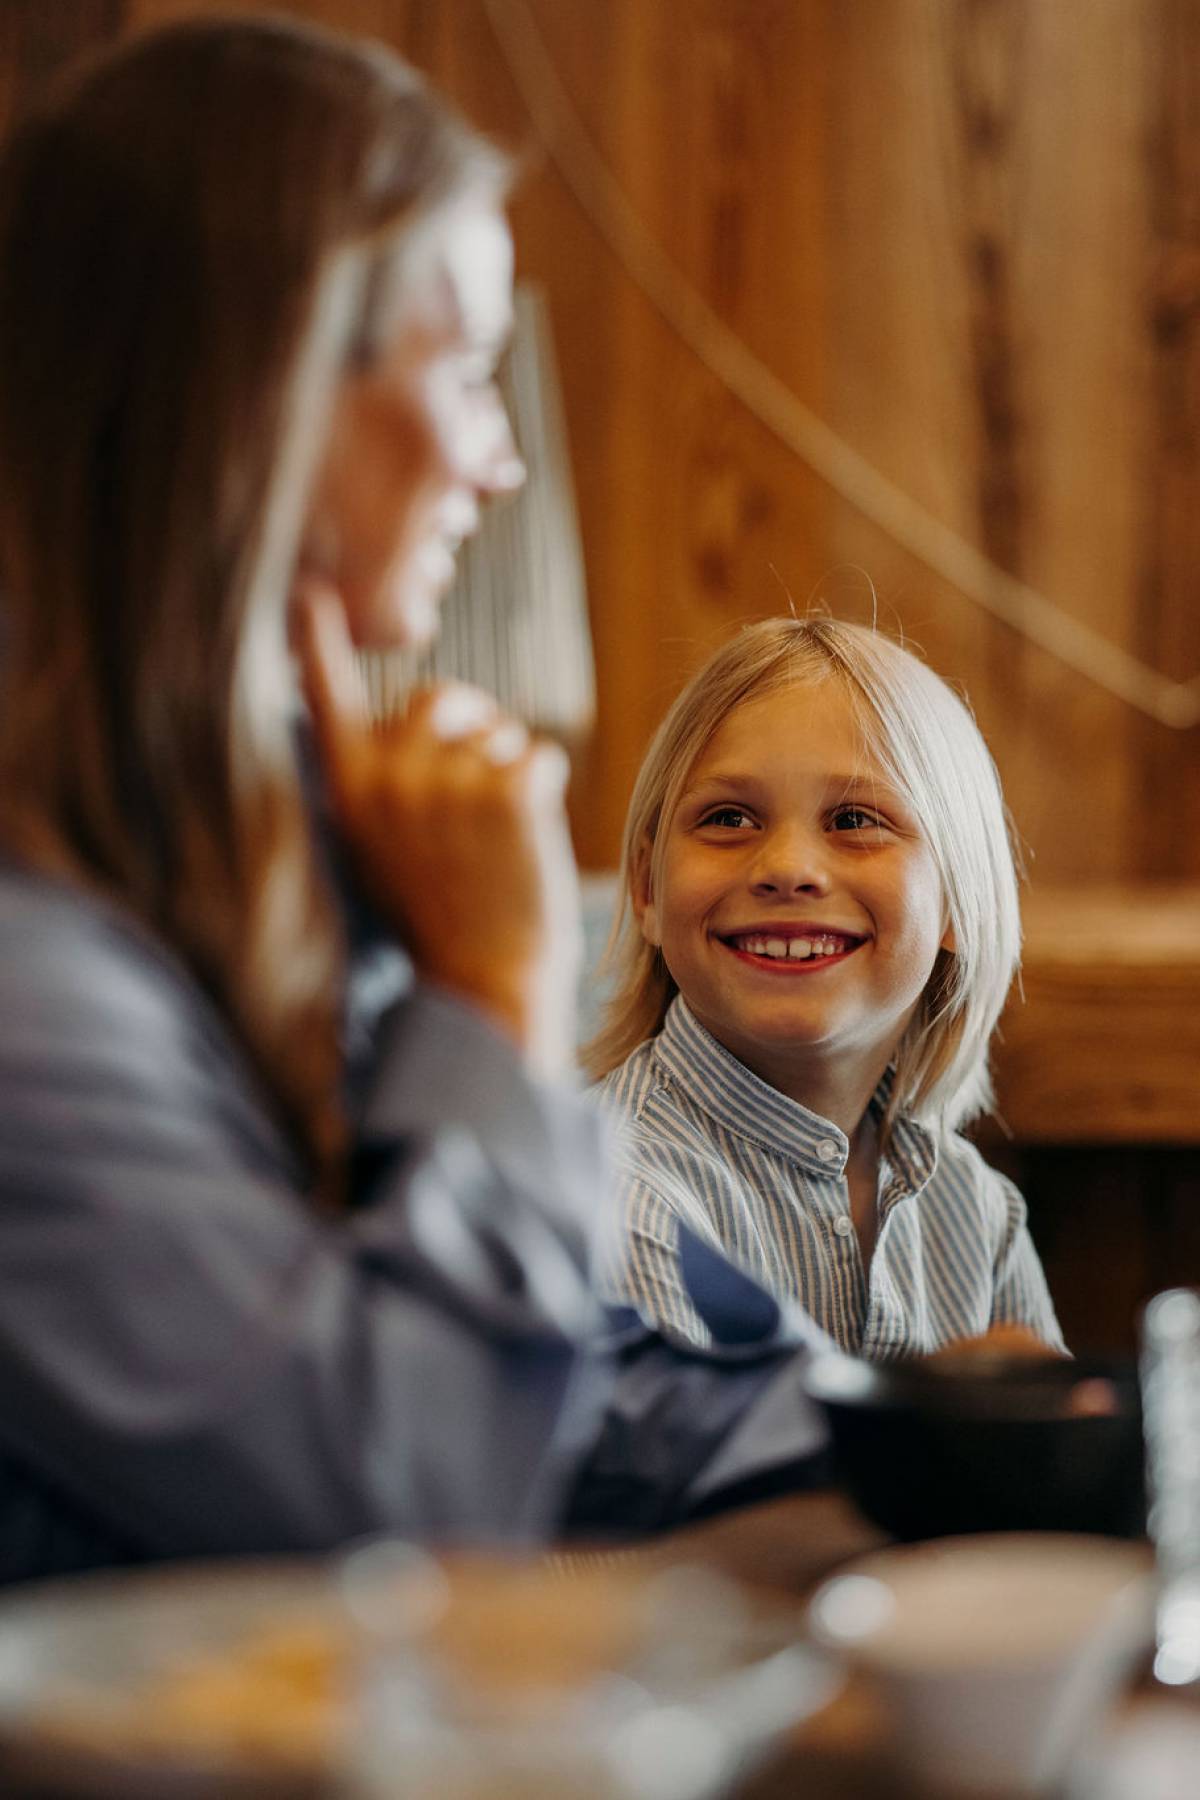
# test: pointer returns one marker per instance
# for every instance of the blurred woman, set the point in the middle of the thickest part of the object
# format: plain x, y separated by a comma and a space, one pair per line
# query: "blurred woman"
279, 1262
293, 1222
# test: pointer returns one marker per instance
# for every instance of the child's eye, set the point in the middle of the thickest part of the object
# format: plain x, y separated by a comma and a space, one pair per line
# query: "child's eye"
854, 818
733, 818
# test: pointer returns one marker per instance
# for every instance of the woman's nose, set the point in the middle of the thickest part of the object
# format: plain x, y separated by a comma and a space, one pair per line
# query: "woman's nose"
498, 467
790, 862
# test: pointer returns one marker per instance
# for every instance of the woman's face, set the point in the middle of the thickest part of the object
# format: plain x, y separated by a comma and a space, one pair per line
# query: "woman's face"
419, 438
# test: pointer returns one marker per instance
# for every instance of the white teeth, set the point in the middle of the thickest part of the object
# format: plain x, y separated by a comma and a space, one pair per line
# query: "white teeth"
791, 949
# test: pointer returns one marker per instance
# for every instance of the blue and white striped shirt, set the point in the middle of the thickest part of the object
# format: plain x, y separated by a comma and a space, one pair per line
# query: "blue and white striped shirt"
702, 1139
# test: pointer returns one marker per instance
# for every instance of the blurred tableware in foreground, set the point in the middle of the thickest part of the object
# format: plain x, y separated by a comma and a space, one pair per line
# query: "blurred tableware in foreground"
993, 1655
391, 1674
487, 1679
1148, 1750
933, 1449
175, 1684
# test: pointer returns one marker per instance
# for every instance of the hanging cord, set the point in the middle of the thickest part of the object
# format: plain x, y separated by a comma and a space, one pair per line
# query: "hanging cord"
849, 474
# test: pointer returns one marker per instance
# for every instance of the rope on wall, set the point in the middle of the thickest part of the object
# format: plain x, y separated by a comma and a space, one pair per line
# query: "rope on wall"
849, 474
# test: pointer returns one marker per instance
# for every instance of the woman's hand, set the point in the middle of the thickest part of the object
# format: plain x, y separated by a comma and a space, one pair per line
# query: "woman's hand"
455, 821
1000, 1342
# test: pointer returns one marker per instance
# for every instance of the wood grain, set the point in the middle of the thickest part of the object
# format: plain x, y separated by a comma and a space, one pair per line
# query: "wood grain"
1105, 1045
965, 233
38, 36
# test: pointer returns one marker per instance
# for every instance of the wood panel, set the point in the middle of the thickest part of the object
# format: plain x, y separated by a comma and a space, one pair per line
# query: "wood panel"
1168, 515
1113, 1225
37, 36
1011, 398
965, 232
1103, 1046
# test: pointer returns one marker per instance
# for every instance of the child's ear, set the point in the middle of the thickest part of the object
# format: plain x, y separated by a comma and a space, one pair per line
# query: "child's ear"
949, 941
641, 896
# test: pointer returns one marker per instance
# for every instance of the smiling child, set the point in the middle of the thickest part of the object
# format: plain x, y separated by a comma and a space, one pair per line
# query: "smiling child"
819, 929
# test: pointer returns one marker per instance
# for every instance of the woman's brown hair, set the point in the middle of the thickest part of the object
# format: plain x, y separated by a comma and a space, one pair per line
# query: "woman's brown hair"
198, 233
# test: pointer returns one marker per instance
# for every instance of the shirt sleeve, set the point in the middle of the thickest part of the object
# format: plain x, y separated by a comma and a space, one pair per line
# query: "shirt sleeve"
197, 1359
683, 1436
639, 1264
1020, 1294
688, 1433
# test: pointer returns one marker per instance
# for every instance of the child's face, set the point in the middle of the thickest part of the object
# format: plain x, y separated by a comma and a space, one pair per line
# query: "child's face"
799, 909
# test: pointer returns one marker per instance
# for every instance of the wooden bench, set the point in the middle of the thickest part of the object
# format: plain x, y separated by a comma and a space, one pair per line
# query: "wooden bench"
1098, 1082
1105, 1047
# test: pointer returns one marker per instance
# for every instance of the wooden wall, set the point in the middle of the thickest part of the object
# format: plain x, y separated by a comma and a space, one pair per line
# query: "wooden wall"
967, 234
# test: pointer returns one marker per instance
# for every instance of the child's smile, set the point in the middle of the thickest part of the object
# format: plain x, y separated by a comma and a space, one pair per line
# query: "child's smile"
798, 906
793, 949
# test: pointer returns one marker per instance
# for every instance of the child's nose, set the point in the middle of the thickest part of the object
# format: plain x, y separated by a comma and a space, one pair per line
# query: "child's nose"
790, 862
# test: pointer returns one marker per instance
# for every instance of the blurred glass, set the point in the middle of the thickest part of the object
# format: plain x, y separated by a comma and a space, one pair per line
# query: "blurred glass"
1171, 1409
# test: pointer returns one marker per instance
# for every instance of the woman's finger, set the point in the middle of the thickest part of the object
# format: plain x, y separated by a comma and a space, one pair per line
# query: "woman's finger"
452, 710
550, 768
506, 742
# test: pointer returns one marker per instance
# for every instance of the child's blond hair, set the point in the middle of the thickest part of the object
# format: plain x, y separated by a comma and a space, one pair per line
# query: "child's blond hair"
923, 735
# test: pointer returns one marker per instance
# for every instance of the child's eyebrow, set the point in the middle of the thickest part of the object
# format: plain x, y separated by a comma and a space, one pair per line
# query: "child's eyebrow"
840, 784
722, 778
721, 784
867, 784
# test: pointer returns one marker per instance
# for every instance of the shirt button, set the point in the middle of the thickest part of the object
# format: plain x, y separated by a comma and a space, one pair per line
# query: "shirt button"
828, 1151
843, 1226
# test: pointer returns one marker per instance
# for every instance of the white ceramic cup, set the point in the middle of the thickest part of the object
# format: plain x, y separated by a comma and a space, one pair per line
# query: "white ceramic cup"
993, 1654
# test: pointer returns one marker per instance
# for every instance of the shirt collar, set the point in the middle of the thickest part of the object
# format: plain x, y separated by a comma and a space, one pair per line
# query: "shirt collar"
736, 1098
